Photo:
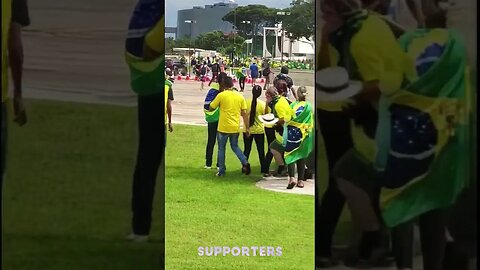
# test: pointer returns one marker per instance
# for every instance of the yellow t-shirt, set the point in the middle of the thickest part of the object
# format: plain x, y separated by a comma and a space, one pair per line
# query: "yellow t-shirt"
283, 110
258, 127
155, 37
378, 56
231, 103
6, 20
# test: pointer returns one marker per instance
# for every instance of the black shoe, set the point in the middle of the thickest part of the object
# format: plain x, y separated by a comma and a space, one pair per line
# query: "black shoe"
281, 171
246, 169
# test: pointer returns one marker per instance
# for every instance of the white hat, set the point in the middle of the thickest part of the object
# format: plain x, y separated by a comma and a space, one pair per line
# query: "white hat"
333, 84
268, 119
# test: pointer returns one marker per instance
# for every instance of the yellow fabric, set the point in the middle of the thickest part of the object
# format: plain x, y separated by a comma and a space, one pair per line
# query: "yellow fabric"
258, 127
379, 56
6, 19
155, 39
215, 85
283, 110
231, 103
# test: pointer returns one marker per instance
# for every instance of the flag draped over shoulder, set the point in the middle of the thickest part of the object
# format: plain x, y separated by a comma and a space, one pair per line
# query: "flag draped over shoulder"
298, 137
427, 166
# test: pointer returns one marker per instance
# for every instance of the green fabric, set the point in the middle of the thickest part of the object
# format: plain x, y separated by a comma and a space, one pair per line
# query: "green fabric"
303, 121
212, 116
446, 81
146, 77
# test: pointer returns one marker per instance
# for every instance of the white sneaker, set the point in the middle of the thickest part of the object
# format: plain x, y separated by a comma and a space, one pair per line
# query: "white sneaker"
137, 238
207, 167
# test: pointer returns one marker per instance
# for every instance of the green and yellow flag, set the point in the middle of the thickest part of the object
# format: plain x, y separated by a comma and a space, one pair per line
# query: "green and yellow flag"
428, 165
298, 136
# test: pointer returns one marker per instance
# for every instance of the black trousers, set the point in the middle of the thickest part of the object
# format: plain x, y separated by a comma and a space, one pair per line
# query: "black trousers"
300, 169
211, 139
270, 133
151, 146
260, 142
241, 82
335, 129
432, 236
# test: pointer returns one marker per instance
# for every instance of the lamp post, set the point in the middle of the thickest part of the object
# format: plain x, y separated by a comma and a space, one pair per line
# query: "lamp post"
191, 22
282, 13
246, 22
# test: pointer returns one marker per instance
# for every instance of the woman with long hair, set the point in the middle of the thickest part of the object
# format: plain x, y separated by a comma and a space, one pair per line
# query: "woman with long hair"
256, 107
298, 139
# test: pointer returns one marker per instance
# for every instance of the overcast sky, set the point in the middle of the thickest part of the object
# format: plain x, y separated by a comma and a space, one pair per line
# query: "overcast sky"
172, 6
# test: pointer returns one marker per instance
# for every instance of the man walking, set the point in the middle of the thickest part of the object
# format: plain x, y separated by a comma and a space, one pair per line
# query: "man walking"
232, 105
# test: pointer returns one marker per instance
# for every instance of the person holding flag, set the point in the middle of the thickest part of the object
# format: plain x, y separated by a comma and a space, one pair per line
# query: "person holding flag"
298, 138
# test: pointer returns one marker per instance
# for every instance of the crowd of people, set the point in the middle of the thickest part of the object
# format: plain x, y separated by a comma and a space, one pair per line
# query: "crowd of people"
392, 85
286, 124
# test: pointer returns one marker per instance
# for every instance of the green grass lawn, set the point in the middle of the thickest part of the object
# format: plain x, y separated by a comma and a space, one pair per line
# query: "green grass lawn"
66, 196
203, 210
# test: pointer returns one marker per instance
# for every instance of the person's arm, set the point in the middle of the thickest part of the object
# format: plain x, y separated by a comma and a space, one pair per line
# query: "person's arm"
416, 10
215, 103
245, 122
324, 54
15, 55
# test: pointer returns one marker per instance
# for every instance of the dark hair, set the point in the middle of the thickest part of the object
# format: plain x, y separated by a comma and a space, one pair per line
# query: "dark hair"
221, 76
284, 70
228, 82
256, 92
282, 87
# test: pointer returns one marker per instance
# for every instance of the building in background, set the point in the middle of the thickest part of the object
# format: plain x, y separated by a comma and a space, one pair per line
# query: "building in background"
205, 19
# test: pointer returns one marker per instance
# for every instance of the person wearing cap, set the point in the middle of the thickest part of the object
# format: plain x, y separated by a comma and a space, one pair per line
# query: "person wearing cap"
298, 139
144, 55
232, 106
364, 45
212, 118
281, 109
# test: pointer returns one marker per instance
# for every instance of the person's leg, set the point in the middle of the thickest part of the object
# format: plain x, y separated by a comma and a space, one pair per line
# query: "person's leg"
241, 82
270, 134
277, 151
222, 143
3, 144
433, 225
402, 245
212, 136
260, 142
149, 156
238, 152
335, 129
247, 142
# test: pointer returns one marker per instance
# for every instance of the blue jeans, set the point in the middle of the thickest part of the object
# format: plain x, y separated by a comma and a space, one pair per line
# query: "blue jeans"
222, 143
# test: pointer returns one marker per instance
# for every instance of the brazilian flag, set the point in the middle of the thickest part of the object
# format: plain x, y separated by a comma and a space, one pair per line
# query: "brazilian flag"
429, 138
298, 136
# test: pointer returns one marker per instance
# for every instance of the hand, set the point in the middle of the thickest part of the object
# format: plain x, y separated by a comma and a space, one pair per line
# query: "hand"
170, 127
247, 131
20, 115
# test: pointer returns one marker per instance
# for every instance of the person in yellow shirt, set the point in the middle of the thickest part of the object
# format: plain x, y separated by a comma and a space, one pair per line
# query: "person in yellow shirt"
363, 44
281, 109
232, 106
14, 17
256, 107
